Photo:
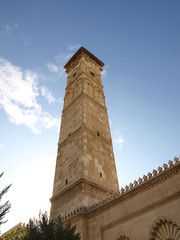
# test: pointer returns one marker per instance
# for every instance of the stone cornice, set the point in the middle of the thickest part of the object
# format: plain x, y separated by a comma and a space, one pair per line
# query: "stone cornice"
87, 53
69, 137
95, 102
82, 180
83, 212
85, 128
148, 182
95, 134
142, 211
84, 94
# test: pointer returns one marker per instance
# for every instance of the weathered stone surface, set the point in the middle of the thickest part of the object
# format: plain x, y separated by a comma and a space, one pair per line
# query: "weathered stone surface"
85, 168
86, 189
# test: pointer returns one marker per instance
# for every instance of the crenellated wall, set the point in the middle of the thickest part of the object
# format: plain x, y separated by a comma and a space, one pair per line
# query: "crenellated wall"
132, 214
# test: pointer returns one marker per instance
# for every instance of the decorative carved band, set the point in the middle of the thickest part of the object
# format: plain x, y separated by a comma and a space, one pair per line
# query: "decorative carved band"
85, 211
115, 199
148, 208
141, 186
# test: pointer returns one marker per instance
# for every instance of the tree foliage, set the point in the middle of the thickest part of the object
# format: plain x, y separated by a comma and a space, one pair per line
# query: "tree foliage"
44, 228
4, 208
17, 234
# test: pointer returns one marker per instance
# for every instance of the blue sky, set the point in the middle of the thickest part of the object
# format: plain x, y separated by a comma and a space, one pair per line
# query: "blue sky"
139, 42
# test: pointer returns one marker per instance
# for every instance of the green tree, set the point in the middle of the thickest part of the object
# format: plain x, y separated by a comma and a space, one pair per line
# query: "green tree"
17, 234
45, 228
4, 208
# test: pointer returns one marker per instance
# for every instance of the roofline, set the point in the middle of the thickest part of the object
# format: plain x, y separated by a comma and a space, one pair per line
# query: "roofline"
79, 52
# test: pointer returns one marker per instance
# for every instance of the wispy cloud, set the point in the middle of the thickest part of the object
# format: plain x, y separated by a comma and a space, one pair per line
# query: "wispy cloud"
120, 130
119, 141
62, 58
52, 67
18, 97
58, 67
48, 121
16, 25
45, 92
1, 146
74, 47
104, 72
110, 122
119, 136
9, 29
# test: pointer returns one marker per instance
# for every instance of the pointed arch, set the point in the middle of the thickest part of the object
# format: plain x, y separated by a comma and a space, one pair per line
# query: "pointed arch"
98, 95
88, 87
77, 87
68, 96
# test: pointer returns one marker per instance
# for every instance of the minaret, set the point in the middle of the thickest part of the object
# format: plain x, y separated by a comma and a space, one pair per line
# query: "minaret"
85, 168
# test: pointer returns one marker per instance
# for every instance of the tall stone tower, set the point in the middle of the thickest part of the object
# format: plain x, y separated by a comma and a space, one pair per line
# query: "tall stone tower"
85, 167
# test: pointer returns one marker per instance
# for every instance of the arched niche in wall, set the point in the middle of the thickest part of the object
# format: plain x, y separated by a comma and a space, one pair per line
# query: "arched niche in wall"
98, 95
88, 87
165, 229
77, 87
68, 97
74, 74
92, 73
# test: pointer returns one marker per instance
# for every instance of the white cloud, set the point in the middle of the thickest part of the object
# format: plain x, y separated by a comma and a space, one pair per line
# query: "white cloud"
119, 141
49, 122
9, 29
119, 130
104, 72
1, 147
18, 97
74, 47
62, 58
45, 92
52, 67
16, 25
110, 122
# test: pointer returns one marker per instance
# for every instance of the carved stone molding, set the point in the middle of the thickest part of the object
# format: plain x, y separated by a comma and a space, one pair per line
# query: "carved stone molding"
141, 211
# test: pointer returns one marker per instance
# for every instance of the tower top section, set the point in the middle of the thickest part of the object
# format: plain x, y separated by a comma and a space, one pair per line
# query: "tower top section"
86, 52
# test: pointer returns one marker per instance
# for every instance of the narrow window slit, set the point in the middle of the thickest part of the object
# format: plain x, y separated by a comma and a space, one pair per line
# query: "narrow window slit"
92, 74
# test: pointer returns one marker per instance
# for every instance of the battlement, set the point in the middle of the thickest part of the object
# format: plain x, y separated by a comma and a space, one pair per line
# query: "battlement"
127, 189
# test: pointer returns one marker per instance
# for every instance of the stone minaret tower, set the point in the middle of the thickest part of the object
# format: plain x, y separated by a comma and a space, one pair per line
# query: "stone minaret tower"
85, 168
